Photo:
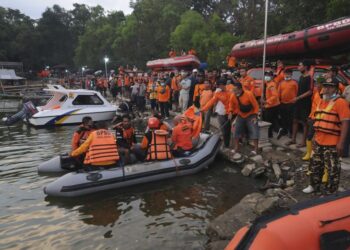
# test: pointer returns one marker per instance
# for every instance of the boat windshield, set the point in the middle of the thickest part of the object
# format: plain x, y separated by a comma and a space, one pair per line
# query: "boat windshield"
55, 102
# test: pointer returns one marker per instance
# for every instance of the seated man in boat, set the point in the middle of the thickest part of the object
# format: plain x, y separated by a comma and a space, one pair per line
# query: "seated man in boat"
100, 148
181, 136
125, 135
82, 133
154, 145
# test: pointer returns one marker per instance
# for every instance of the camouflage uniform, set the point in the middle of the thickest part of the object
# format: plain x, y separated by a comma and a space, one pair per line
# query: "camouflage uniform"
325, 168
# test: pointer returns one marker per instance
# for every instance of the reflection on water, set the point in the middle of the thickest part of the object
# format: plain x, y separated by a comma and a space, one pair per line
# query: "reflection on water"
168, 214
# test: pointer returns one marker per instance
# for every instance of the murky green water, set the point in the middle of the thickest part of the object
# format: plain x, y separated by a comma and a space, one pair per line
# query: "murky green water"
170, 214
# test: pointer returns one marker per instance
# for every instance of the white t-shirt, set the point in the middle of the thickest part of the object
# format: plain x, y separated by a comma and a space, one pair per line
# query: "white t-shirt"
185, 83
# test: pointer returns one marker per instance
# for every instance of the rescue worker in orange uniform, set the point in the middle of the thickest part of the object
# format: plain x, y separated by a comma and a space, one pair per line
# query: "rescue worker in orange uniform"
206, 95
221, 101
287, 92
231, 62
172, 53
125, 135
279, 72
155, 142
163, 95
198, 89
271, 103
246, 80
331, 126
316, 99
243, 104
181, 136
192, 51
83, 132
100, 148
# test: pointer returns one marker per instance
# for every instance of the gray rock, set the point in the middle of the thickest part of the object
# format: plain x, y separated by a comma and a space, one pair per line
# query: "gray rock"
230, 170
266, 205
217, 245
267, 149
280, 149
258, 159
246, 171
290, 183
272, 192
276, 170
258, 172
227, 224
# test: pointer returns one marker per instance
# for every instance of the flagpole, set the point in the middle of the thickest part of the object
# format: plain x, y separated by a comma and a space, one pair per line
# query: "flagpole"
264, 53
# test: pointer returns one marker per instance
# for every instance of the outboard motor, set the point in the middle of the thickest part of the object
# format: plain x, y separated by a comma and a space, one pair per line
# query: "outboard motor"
27, 111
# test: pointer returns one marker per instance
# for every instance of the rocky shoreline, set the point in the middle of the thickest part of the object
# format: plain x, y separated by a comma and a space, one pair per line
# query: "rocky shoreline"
285, 176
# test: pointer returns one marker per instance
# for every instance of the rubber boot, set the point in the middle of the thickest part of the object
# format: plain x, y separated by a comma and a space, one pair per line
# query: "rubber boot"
307, 156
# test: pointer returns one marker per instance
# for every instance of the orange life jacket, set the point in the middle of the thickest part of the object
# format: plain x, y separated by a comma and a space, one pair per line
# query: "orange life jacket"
182, 135
159, 149
327, 120
103, 148
80, 136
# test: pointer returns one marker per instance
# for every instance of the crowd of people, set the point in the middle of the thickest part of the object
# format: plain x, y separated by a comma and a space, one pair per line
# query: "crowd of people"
320, 106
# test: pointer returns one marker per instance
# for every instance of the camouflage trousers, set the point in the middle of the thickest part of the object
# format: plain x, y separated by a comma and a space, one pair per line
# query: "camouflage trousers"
325, 168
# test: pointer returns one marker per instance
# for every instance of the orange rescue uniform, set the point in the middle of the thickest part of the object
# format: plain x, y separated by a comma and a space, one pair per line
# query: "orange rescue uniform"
182, 134
80, 136
163, 93
287, 91
328, 118
247, 98
272, 99
247, 83
222, 96
101, 149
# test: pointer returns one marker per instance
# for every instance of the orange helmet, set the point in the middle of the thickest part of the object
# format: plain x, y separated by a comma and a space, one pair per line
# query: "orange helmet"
153, 123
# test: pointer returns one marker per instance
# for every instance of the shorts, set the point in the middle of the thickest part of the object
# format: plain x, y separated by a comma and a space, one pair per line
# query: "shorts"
301, 112
244, 125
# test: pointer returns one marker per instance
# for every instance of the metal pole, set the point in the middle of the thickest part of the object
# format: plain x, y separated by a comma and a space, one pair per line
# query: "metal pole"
264, 54
106, 68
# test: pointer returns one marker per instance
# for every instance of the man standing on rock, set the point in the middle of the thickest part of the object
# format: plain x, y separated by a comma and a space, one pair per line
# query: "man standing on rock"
331, 126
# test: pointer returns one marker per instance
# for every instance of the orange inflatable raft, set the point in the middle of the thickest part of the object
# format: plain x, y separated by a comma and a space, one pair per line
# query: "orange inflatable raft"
316, 224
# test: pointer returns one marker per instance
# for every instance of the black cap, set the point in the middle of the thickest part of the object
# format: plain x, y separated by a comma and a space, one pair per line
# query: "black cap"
330, 82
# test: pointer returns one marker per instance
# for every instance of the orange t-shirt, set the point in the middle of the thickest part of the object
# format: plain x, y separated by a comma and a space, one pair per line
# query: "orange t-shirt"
341, 107
231, 61
287, 91
174, 84
246, 98
316, 98
247, 83
229, 88
206, 95
163, 96
198, 89
272, 99
222, 96
182, 136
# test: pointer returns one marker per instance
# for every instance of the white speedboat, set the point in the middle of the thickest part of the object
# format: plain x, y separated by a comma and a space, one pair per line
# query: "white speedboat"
69, 106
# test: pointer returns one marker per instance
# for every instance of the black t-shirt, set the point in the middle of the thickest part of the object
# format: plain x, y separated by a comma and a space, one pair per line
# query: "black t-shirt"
304, 86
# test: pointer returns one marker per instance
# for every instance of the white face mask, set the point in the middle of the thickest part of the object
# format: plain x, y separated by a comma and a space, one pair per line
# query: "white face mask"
328, 97
268, 78
287, 78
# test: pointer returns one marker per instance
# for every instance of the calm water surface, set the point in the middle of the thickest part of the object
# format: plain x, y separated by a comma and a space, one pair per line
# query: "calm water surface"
170, 214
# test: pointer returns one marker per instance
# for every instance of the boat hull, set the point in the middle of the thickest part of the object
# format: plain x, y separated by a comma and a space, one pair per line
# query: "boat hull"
77, 184
303, 226
188, 61
69, 117
317, 40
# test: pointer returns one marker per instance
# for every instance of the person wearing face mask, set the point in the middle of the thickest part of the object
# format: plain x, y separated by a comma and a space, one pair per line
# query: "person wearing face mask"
331, 125
163, 94
221, 101
316, 99
287, 92
271, 103
245, 106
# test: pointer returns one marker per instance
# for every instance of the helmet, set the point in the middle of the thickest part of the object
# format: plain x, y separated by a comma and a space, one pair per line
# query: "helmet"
153, 123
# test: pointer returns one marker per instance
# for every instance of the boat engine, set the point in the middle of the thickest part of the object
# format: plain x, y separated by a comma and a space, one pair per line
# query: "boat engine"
26, 112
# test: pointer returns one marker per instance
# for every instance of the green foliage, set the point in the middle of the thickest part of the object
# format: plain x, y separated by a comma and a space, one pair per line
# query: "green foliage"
84, 35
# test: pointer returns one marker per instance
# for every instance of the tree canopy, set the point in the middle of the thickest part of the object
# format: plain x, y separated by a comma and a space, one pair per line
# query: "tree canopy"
86, 34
